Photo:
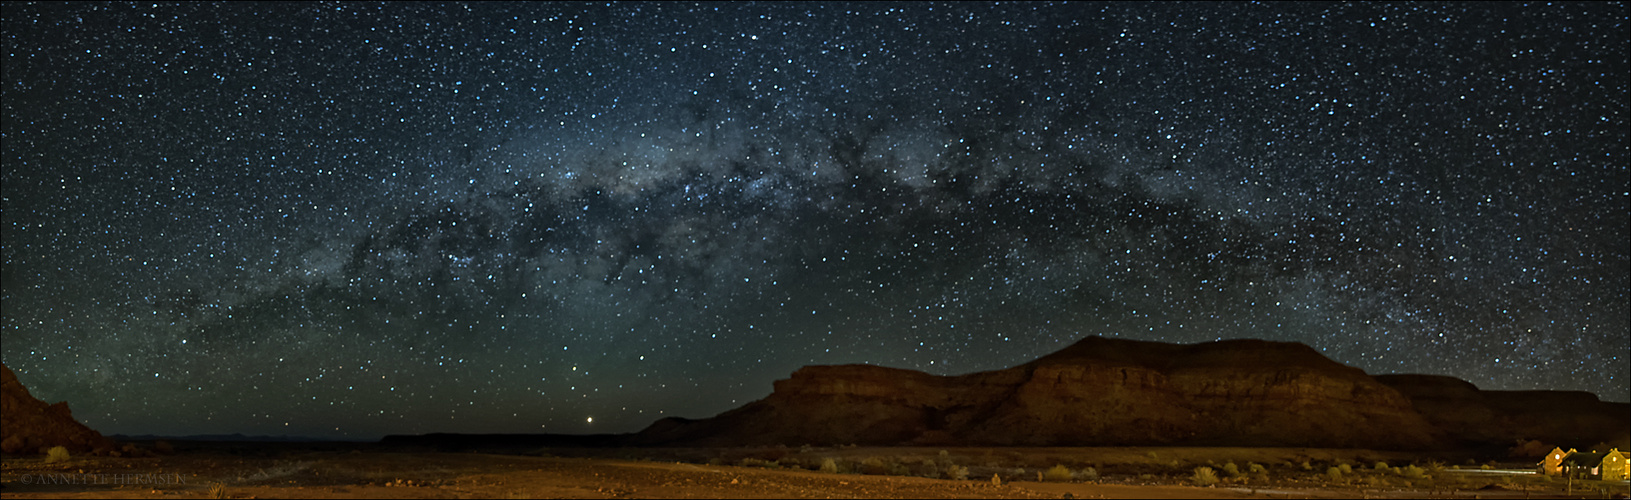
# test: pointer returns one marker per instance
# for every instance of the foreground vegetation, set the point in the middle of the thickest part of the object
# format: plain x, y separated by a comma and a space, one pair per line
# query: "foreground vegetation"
1358, 471
241, 470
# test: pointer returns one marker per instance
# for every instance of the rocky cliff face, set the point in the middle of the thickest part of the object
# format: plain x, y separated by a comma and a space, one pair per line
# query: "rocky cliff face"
1097, 392
28, 425
1471, 417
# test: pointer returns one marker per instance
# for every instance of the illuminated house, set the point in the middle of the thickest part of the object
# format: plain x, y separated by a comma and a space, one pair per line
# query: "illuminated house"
1609, 465
1552, 465
1615, 466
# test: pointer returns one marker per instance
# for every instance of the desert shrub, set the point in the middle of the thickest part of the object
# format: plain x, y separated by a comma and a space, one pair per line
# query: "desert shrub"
829, 466
1059, 473
56, 454
957, 472
1256, 469
1412, 472
1307, 466
806, 449
929, 469
874, 466
899, 469
218, 490
1435, 466
944, 454
1231, 469
755, 462
1333, 474
1381, 466
1346, 469
1090, 474
850, 467
1153, 456
1204, 476
1486, 467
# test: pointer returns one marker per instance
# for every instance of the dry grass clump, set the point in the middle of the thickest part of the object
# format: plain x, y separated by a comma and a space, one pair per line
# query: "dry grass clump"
928, 468
1059, 473
829, 466
873, 466
899, 469
56, 454
1204, 476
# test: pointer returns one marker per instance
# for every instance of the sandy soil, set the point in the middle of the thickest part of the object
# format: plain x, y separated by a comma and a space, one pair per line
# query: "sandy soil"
470, 475
291, 471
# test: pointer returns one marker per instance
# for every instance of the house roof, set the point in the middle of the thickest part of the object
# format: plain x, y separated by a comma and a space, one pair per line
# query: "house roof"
1584, 459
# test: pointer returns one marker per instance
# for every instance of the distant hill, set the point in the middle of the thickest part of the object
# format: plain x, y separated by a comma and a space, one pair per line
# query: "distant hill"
1474, 417
1111, 392
1103, 391
1099, 391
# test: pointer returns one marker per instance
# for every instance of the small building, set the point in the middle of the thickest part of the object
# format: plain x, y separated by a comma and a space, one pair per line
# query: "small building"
1615, 467
1552, 465
1608, 465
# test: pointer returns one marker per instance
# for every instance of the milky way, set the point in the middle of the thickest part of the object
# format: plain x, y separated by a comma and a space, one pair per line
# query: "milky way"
349, 220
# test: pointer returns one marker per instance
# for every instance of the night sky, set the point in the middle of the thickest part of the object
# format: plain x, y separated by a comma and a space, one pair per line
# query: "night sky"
349, 220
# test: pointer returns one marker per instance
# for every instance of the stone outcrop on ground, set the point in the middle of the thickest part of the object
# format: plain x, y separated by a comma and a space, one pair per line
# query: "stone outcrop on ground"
1099, 391
29, 426
1472, 417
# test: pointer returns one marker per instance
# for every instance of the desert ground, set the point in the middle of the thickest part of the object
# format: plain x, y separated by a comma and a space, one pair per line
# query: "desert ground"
364, 470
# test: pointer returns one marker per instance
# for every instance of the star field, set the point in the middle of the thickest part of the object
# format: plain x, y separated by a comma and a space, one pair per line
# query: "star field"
348, 220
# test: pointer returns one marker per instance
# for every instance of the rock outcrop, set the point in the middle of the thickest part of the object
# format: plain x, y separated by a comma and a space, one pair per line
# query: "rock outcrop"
1098, 391
28, 425
1474, 418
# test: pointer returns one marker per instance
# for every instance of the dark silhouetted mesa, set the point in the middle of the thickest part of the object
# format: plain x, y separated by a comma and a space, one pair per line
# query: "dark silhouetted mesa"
1472, 417
1103, 391
28, 425
1110, 392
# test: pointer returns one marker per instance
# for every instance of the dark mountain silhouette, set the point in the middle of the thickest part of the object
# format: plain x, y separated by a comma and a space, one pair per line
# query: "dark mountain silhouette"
29, 426
1099, 391
1472, 417
1109, 392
